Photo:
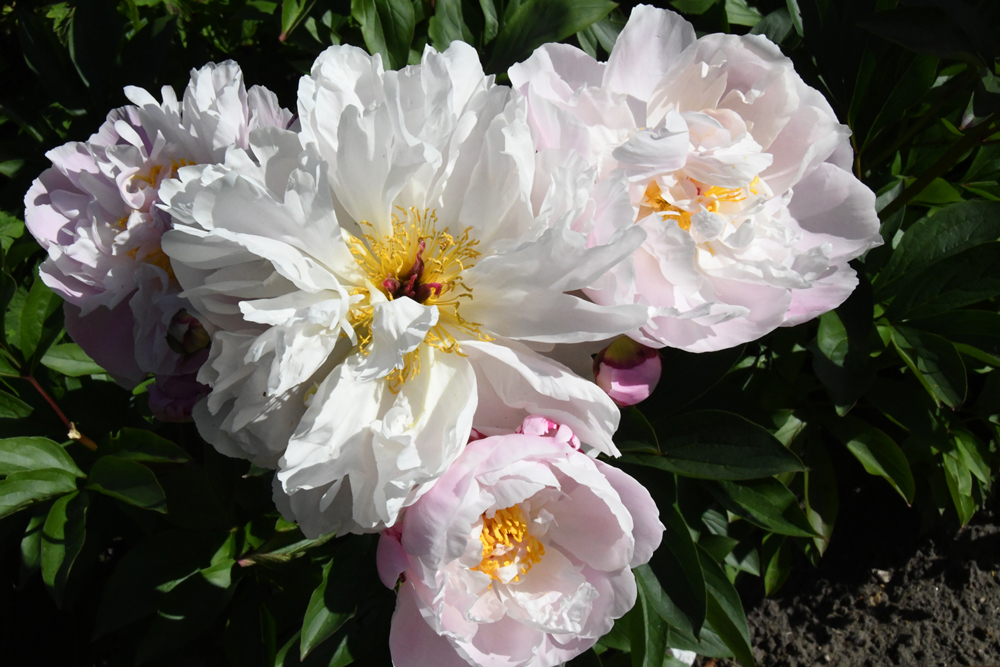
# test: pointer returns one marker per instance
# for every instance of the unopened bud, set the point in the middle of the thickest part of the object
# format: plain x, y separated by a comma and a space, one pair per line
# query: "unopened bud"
186, 335
628, 371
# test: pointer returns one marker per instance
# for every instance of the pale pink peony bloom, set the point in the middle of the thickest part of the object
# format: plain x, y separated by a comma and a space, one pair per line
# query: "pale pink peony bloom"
736, 169
96, 213
628, 371
519, 555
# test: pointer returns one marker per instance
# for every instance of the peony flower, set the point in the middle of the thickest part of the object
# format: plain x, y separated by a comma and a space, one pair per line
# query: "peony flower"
737, 170
372, 291
627, 370
520, 555
95, 212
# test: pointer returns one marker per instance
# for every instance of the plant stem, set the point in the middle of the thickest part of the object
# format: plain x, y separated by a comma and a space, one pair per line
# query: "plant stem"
73, 433
973, 138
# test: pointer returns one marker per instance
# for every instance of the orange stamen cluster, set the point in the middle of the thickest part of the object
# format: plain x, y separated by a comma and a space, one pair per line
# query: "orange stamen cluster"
506, 542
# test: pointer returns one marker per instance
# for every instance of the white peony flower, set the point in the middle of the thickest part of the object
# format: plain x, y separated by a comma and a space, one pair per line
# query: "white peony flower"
371, 292
95, 213
737, 170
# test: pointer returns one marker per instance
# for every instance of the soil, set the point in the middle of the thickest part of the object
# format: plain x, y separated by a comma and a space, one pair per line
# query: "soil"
884, 594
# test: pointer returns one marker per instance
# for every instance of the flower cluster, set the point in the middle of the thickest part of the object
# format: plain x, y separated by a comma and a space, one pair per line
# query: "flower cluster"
392, 298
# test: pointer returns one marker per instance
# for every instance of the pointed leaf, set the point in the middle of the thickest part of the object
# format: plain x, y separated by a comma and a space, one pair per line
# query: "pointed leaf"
12, 407
711, 444
70, 360
62, 539
725, 613
536, 22
21, 489
139, 445
335, 600
877, 453
937, 362
766, 503
128, 481
33, 453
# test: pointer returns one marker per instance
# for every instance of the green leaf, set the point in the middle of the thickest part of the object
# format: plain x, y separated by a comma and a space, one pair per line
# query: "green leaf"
691, 375
974, 454
447, 24
12, 318
959, 480
725, 613
8, 367
977, 328
906, 92
11, 229
677, 567
70, 360
62, 538
985, 166
536, 22
946, 233
31, 543
150, 569
710, 444
12, 407
777, 556
968, 277
387, 27
40, 303
34, 453
491, 21
647, 632
293, 12
776, 26
693, 6
937, 362
186, 611
335, 600
48, 59
822, 500
128, 481
139, 445
22, 489
740, 13
766, 503
877, 453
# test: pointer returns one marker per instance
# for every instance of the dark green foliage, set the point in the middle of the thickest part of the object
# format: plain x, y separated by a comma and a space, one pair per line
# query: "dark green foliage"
168, 552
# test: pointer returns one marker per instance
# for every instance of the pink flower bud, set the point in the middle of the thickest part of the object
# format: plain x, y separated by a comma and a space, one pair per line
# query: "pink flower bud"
627, 370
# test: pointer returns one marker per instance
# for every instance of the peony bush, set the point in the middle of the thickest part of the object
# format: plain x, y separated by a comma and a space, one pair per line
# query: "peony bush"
519, 336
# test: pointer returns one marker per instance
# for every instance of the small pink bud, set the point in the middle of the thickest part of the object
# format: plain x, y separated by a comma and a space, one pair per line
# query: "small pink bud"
627, 370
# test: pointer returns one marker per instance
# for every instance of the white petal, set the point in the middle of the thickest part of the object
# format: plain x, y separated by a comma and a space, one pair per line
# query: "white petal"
398, 327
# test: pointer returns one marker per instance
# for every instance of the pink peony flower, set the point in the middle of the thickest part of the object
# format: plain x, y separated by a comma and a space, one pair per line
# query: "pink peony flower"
96, 213
628, 371
736, 169
519, 555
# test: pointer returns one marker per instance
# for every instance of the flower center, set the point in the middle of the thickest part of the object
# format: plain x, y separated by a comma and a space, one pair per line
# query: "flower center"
506, 542
421, 263
710, 198
154, 172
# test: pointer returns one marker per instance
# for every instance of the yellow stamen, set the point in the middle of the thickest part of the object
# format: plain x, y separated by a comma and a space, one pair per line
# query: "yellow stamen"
391, 261
153, 177
156, 258
506, 542
708, 197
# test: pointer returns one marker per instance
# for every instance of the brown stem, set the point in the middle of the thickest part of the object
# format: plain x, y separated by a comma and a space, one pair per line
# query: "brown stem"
973, 138
73, 433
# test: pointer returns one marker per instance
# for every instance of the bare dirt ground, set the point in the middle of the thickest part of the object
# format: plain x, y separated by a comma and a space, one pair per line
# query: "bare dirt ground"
884, 594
